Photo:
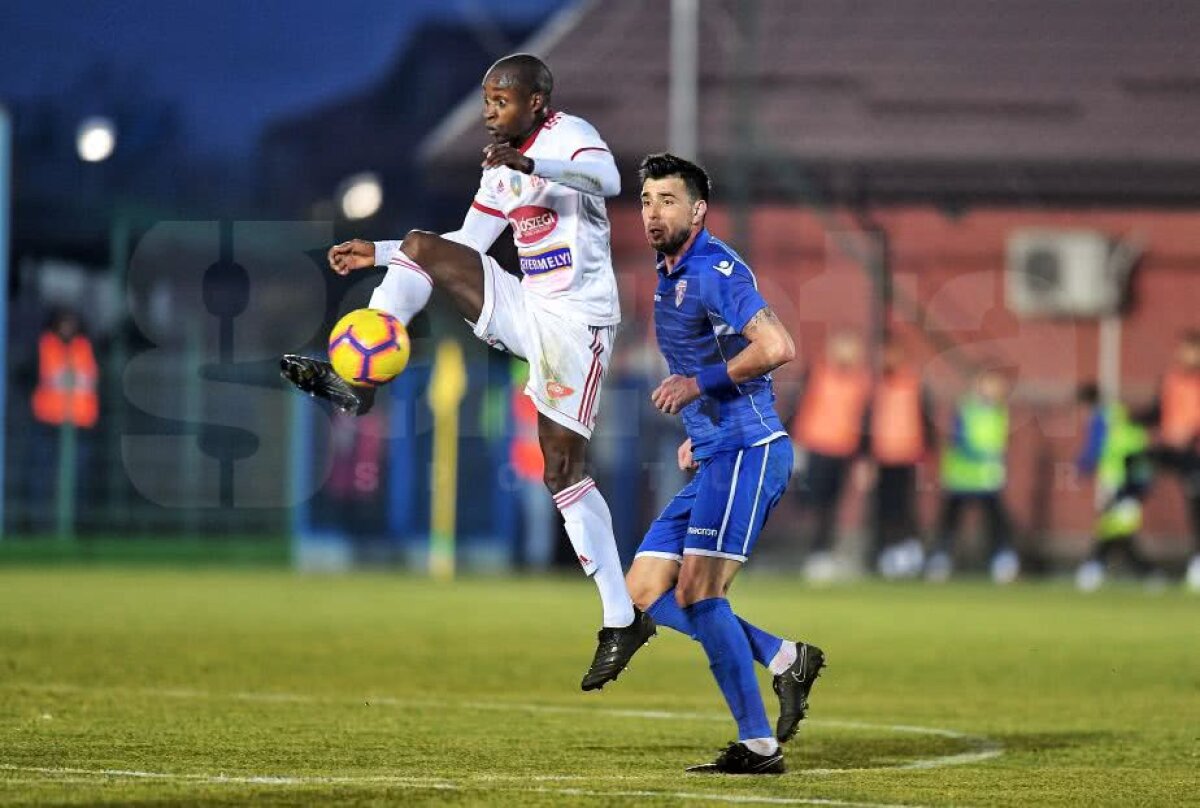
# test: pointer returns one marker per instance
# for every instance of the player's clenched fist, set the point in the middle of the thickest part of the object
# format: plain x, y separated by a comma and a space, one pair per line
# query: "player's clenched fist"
675, 393
350, 255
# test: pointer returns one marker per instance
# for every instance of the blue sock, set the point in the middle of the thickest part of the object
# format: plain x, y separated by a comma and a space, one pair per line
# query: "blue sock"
732, 664
764, 644
667, 612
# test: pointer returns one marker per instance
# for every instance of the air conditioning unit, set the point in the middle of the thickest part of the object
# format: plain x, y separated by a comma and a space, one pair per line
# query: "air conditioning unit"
1063, 273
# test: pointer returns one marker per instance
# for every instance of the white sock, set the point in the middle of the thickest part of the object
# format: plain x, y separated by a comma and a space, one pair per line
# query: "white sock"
762, 746
783, 658
404, 290
589, 526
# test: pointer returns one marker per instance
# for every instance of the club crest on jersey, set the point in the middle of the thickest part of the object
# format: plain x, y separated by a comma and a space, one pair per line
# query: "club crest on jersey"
515, 185
532, 223
680, 291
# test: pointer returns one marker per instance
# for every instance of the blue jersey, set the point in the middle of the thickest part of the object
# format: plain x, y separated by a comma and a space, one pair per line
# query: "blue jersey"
700, 309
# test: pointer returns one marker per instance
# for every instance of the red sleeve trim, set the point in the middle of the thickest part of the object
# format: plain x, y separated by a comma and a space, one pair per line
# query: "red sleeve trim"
487, 210
587, 148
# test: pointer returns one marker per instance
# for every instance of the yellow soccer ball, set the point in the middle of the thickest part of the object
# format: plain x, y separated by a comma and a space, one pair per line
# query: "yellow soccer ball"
368, 347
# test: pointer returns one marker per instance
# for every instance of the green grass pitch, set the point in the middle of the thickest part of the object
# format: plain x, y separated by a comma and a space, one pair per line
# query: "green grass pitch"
227, 687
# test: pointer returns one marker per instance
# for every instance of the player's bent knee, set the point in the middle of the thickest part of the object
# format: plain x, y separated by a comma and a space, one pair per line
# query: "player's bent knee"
644, 591
562, 468
649, 578
558, 479
418, 245
697, 582
692, 590
686, 594
643, 594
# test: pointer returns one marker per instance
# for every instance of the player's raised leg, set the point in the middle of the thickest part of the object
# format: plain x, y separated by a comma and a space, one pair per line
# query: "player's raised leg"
589, 526
416, 265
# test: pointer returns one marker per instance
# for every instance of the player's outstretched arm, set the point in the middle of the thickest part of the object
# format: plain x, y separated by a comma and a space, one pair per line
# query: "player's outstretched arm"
350, 255
593, 172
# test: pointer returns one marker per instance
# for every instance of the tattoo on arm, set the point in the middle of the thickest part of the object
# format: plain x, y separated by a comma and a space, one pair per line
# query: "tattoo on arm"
766, 331
764, 317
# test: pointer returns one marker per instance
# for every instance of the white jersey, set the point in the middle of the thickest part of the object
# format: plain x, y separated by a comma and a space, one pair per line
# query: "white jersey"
562, 234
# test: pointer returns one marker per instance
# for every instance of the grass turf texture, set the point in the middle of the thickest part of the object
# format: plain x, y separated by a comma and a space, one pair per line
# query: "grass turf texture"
378, 689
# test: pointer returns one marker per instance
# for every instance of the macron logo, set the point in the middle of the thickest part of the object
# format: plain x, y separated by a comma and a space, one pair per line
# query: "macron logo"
702, 531
724, 267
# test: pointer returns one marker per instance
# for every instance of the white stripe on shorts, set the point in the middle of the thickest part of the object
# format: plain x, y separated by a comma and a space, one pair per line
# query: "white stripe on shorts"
754, 510
737, 466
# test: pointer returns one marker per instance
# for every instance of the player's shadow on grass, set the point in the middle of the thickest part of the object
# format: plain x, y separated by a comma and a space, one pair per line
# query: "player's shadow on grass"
866, 750
1046, 741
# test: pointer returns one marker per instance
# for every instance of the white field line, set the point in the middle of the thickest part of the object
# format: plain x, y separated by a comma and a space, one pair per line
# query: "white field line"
71, 775
983, 748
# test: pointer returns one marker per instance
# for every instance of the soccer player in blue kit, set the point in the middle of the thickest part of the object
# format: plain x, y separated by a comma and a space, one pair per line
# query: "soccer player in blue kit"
721, 342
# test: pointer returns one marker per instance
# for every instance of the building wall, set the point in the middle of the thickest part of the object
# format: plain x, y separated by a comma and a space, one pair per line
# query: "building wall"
954, 268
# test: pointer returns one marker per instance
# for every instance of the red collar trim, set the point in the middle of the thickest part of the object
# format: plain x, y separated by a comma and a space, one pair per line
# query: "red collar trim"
524, 147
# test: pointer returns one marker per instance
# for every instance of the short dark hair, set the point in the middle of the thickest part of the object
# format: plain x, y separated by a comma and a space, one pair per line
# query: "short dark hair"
661, 166
529, 72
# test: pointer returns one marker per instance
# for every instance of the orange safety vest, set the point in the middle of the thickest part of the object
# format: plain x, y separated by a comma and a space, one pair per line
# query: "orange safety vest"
525, 452
67, 376
830, 419
1180, 425
897, 431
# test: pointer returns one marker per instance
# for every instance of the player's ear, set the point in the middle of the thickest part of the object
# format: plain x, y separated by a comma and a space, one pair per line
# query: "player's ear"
699, 210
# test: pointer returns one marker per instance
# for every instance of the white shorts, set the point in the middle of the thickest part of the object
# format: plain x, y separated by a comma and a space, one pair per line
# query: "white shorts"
567, 360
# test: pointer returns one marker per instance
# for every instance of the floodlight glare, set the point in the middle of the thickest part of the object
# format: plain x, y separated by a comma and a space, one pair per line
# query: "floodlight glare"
96, 139
360, 196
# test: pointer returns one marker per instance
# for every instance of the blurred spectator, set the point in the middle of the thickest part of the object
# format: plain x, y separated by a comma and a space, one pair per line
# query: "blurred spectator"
525, 455
900, 434
64, 402
974, 471
1115, 453
1175, 415
828, 428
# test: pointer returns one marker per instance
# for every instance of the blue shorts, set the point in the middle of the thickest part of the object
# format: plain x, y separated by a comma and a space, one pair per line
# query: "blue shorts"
723, 509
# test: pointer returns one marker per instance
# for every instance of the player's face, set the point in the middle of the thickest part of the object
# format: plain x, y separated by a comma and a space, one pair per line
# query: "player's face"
509, 111
669, 213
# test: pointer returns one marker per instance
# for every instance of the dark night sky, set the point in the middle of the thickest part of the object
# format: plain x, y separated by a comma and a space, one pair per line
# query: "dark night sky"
230, 65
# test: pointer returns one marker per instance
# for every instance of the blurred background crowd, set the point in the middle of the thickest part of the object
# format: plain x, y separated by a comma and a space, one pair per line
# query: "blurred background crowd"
979, 220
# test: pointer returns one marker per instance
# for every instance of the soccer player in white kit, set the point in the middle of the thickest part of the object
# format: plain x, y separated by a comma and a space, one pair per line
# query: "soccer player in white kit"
546, 173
